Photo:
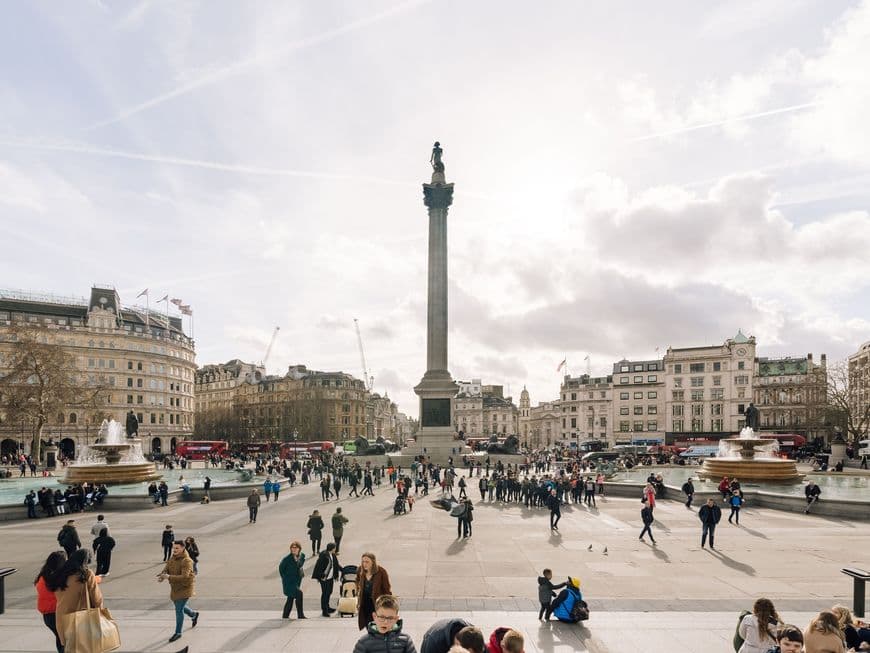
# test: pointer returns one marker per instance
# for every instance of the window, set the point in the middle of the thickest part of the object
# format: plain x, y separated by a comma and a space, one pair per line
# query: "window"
652, 367
623, 368
138, 383
716, 409
112, 364
678, 425
697, 410
623, 410
678, 382
697, 395
741, 393
73, 418
652, 378
573, 422
652, 426
591, 395
638, 395
623, 379
741, 380
678, 369
603, 394
153, 418
717, 393
696, 368
129, 399
717, 367
603, 421
90, 362
101, 363
678, 395
638, 426
139, 399
638, 379
697, 425
638, 367
652, 394
741, 408
697, 381
623, 427
139, 366
741, 365
677, 410
623, 395
717, 424
638, 410
652, 410
573, 396
717, 380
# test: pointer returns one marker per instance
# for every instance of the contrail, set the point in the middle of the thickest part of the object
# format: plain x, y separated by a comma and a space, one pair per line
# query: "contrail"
243, 64
727, 121
197, 163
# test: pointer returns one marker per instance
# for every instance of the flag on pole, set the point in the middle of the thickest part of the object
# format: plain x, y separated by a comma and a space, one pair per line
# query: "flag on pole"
176, 301
144, 292
562, 364
185, 309
587, 357
164, 298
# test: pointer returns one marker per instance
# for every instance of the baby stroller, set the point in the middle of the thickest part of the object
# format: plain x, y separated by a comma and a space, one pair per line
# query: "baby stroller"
399, 505
347, 592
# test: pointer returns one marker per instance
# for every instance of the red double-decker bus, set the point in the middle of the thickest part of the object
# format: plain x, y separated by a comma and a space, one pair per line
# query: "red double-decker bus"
200, 449
291, 449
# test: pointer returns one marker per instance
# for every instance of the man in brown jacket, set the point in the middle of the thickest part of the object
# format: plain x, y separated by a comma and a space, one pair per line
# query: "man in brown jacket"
253, 506
179, 572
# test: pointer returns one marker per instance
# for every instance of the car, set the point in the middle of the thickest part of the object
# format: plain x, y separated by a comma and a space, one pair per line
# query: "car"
601, 455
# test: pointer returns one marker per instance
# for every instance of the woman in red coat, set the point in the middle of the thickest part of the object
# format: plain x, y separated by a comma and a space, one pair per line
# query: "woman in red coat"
46, 601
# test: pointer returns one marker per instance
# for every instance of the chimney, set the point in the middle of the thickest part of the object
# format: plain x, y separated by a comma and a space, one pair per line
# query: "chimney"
810, 359
824, 360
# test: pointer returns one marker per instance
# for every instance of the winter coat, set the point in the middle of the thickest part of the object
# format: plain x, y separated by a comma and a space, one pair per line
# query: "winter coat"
103, 545
338, 522
321, 565
646, 515
495, 638
253, 500
380, 585
73, 598
816, 642
546, 589
291, 573
394, 641
710, 514
69, 537
439, 637
563, 610
315, 527
179, 569
167, 538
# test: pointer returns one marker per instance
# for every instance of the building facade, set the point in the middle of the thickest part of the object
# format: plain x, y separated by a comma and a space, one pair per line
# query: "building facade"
791, 394
708, 389
858, 370
585, 408
483, 410
215, 386
639, 401
544, 425
141, 360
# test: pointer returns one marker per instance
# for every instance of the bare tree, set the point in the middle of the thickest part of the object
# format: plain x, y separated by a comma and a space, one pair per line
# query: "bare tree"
223, 423
42, 380
845, 409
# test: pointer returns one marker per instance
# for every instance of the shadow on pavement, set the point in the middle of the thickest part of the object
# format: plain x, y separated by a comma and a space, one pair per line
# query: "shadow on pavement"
732, 563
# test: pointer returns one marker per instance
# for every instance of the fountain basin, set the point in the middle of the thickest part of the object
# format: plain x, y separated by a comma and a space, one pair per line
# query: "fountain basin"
117, 474
755, 469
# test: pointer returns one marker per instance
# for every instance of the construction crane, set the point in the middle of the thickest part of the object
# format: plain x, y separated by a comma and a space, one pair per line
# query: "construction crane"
369, 380
269, 348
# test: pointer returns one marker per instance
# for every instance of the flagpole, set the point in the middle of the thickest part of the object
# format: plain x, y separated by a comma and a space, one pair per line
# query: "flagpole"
147, 310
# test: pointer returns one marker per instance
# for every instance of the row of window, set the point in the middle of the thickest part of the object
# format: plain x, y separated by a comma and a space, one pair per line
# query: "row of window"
697, 425
697, 410
651, 394
638, 367
651, 378
638, 410
590, 422
699, 368
626, 426
603, 395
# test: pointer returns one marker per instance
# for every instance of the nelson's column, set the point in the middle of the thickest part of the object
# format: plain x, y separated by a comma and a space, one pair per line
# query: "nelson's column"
436, 436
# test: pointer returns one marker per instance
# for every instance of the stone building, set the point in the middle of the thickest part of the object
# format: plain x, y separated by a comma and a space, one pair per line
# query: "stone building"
145, 363
381, 415
858, 366
585, 408
304, 405
216, 384
483, 410
708, 389
639, 401
791, 394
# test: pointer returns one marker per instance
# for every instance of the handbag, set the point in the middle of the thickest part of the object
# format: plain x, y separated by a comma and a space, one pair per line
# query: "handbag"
91, 630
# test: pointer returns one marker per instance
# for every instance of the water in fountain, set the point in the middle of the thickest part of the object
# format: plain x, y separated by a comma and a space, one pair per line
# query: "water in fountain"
729, 447
113, 458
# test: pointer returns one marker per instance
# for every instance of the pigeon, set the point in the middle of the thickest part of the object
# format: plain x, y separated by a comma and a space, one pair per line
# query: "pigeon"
590, 548
605, 549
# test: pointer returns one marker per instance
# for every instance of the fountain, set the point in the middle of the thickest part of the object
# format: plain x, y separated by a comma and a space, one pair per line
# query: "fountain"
114, 459
749, 458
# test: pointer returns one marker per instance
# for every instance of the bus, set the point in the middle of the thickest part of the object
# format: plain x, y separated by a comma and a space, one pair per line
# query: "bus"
200, 449
294, 449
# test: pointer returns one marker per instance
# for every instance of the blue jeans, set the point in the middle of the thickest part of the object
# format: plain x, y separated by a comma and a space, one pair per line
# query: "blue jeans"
181, 609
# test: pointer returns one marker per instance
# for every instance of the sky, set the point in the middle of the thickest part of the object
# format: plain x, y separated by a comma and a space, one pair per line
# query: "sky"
628, 176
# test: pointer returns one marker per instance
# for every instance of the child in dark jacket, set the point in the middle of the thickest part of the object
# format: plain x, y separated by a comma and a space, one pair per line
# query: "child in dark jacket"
384, 633
546, 593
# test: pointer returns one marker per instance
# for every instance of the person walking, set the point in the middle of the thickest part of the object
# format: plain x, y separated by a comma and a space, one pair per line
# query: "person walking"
336, 486
166, 540
99, 525
462, 485
68, 538
206, 487
367, 485
46, 601
338, 522
193, 551
555, 506
290, 570
276, 488
646, 516
179, 572
103, 546
735, 502
709, 514
325, 488
253, 506
467, 517
689, 490
372, 582
69, 585
589, 487
315, 531
326, 571
267, 488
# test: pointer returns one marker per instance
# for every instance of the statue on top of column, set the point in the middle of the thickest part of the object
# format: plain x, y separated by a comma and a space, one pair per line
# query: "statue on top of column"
435, 159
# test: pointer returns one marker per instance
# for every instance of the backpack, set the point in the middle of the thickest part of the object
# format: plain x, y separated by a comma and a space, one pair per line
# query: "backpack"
580, 611
737, 642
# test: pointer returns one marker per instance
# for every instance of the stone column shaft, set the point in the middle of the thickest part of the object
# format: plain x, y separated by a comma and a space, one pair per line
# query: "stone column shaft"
436, 332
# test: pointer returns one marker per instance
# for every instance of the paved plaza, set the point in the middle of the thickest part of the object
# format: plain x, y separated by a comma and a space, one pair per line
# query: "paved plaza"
673, 598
